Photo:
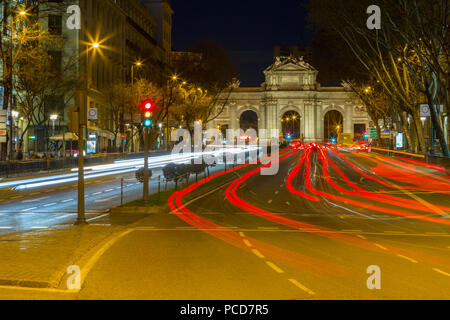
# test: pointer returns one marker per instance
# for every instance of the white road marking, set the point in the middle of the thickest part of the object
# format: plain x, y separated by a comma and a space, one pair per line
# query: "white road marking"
274, 267
270, 201
109, 190
287, 202
97, 193
67, 200
243, 235
380, 246
362, 237
105, 200
277, 192
442, 272
258, 254
407, 258
302, 287
247, 243
35, 200
49, 204
97, 217
29, 209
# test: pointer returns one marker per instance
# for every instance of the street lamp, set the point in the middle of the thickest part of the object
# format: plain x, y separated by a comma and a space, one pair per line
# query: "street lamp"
137, 64
54, 117
81, 218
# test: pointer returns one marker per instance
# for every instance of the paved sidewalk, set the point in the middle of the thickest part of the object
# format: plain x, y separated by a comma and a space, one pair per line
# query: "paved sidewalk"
39, 259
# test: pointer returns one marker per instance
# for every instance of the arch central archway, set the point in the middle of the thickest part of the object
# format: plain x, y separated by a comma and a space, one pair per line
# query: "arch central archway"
333, 125
248, 120
290, 125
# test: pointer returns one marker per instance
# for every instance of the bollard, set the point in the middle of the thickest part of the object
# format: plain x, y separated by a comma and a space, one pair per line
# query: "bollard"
159, 189
121, 191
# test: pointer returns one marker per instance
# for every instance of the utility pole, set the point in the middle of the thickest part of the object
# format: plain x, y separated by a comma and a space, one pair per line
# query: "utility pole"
82, 123
146, 152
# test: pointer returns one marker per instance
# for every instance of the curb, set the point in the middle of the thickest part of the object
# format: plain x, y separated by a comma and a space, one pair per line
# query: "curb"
134, 210
26, 284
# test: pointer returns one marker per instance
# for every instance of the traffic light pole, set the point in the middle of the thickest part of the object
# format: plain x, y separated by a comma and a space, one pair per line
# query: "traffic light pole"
146, 152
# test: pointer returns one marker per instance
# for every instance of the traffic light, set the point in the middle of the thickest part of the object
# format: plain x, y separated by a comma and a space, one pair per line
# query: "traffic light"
148, 106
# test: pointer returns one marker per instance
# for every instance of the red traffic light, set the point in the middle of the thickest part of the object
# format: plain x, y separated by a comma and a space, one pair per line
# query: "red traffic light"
147, 105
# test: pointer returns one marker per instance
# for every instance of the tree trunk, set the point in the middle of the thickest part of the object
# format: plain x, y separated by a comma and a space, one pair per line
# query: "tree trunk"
419, 131
437, 127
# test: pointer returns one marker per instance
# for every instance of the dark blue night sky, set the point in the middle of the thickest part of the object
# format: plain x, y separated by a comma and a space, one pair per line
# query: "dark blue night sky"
248, 29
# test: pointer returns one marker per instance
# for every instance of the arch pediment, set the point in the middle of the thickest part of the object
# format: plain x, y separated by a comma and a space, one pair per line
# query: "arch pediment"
290, 73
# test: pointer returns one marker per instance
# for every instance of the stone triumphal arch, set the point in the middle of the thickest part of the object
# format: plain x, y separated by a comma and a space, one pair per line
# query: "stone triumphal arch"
291, 88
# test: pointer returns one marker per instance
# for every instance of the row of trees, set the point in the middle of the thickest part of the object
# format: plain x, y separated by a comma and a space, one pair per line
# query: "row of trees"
403, 64
32, 71
193, 91
36, 66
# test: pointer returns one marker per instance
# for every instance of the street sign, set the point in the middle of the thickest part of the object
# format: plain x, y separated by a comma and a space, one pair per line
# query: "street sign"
92, 114
425, 111
373, 133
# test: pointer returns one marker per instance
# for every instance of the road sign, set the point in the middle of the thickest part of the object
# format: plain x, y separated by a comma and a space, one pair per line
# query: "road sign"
425, 111
92, 114
373, 133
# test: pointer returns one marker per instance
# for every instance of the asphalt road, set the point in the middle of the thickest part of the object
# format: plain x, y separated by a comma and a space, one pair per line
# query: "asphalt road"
304, 233
44, 206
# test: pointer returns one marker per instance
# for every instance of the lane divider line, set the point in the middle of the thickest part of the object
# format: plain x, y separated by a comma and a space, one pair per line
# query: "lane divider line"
258, 254
380, 246
407, 258
274, 267
247, 243
302, 287
441, 272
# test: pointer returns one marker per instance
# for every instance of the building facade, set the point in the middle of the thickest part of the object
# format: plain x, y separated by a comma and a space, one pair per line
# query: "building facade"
127, 31
291, 87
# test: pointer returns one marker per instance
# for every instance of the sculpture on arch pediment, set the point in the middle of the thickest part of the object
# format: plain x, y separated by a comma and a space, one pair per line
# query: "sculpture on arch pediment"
277, 61
360, 109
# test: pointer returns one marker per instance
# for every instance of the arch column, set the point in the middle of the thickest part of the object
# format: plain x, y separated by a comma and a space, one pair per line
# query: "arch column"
262, 117
348, 119
233, 117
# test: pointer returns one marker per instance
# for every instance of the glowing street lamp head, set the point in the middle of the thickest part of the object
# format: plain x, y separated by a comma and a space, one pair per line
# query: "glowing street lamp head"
95, 45
54, 117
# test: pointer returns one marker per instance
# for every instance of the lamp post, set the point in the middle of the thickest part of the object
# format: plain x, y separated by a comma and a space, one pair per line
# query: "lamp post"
81, 218
53, 117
